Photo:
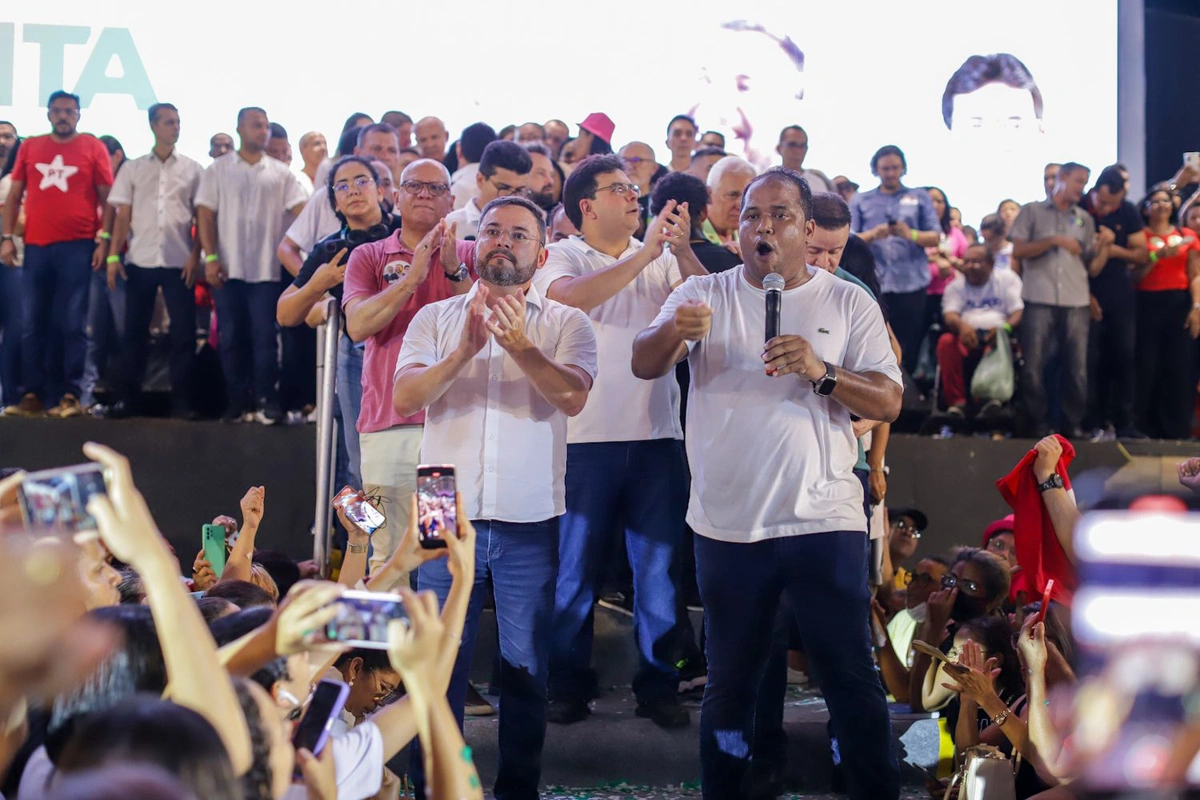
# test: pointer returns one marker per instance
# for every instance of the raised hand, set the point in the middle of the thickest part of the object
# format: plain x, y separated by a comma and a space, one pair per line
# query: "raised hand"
475, 330
252, 506
1049, 451
507, 323
1189, 474
332, 272
203, 575
423, 256
693, 320
448, 254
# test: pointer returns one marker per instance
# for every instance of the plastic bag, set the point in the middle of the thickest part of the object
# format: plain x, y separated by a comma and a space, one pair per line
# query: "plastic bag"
994, 377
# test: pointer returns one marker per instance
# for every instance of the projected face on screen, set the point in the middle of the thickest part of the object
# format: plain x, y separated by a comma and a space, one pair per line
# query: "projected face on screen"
993, 99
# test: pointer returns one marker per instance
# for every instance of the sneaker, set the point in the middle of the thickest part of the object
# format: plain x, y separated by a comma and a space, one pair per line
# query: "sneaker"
235, 416
29, 406
475, 705
567, 712
269, 414
956, 411
693, 675
797, 678
620, 602
1103, 434
67, 407
991, 408
665, 713
295, 418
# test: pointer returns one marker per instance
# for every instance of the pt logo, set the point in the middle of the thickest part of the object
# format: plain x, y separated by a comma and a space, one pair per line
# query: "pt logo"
55, 174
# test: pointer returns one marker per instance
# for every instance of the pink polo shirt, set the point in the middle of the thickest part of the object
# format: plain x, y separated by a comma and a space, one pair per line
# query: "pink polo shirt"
372, 267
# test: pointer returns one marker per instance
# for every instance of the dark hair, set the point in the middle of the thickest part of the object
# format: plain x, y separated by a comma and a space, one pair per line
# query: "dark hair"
378, 127
581, 183
120, 782
158, 108
888, 150
1000, 205
796, 128
213, 608
506, 131
689, 120
234, 626
599, 147
11, 161
944, 219
830, 211
372, 660
710, 150
714, 133
63, 94
405, 119
353, 120
341, 162
682, 188
111, 144
522, 202
280, 566
937, 559
789, 175
971, 234
278, 131
1144, 206
242, 112
1069, 167
474, 139
993, 223
996, 636
503, 154
146, 730
978, 71
859, 261
1112, 179
347, 143
537, 125
987, 254
130, 588
450, 160
242, 594
256, 782
996, 577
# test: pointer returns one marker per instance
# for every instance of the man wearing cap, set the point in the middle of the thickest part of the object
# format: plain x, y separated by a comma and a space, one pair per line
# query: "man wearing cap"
907, 524
1000, 541
596, 126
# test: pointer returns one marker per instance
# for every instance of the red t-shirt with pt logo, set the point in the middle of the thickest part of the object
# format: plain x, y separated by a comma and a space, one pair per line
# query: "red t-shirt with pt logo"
61, 202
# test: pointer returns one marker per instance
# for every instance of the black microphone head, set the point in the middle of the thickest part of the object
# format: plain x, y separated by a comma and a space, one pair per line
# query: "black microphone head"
773, 282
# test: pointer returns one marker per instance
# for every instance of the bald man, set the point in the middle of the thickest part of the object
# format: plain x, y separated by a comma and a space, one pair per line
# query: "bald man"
431, 138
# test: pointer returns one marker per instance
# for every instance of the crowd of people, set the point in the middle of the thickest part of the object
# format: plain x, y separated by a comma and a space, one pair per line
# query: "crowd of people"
555, 320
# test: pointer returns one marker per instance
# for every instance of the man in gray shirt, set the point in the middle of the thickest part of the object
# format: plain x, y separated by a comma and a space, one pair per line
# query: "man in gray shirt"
1059, 247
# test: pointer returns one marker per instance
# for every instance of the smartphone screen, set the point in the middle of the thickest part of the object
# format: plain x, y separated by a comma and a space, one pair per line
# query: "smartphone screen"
54, 501
213, 538
363, 620
359, 510
436, 512
323, 708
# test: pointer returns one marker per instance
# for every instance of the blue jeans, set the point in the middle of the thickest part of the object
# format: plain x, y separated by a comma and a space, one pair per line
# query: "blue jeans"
639, 487
349, 398
54, 308
825, 577
10, 334
140, 292
105, 329
248, 345
522, 561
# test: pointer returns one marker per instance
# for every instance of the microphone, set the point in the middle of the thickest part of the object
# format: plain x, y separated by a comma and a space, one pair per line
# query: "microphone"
773, 283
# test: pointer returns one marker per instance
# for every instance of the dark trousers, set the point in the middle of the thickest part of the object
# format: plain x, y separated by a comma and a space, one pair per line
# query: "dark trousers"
10, 333
634, 492
906, 313
1112, 369
54, 305
1166, 373
825, 578
298, 371
141, 288
249, 346
1047, 332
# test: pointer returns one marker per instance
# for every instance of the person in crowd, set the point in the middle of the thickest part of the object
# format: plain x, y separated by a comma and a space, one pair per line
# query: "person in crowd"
1050, 177
637, 158
561, 226
1008, 210
503, 170
792, 149
58, 180
994, 231
10, 280
469, 149
529, 132
681, 141
893, 638
544, 352
703, 161
278, 145
431, 138
1168, 321
688, 190
8, 139
727, 182
845, 187
1057, 243
557, 134
1000, 540
106, 307
219, 145
899, 223
1112, 364
956, 218
771, 536
386, 283
542, 188
240, 267
595, 135
155, 200
945, 260
712, 139
314, 151
625, 468
904, 533
403, 124
980, 304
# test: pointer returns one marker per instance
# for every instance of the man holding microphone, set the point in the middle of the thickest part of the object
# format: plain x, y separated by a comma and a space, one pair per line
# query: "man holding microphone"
774, 499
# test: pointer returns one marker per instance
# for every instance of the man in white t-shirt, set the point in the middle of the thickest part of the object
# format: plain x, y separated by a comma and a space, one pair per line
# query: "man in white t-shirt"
977, 303
625, 470
774, 500
503, 171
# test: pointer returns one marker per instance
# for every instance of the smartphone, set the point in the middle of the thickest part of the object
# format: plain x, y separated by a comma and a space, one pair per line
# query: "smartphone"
323, 708
1045, 608
360, 511
54, 501
1192, 160
436, 510
362, 620
213, 538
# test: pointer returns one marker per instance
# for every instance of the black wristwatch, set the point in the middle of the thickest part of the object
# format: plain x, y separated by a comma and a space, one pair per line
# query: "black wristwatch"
6, 237
460, 275
825, 386
1055, 481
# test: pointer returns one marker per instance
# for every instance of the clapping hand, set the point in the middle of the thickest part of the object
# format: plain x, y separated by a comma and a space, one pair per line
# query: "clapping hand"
507, 323
1189, 474
975, 678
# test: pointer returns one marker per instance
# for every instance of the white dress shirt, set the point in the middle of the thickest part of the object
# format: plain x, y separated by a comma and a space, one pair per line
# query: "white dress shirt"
250, 201
162, 200
466, 219
769, 457
621, 408
463, 185
507, 442
314, 223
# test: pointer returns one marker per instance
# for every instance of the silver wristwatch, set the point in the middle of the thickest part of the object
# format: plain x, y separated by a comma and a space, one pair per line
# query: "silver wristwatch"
460, 275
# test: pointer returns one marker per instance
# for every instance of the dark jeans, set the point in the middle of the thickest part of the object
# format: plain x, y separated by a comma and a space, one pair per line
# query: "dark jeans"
298, 371
10, 333
1166, 374
105, 332
141, 289
825, 578
634, 492
1046, 332
1111, 365
906, 313
522, 561
54, 303
249, 347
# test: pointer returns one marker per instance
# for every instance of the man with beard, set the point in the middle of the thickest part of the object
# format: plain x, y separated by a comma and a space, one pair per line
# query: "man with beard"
503, 171
541, 176
498, 371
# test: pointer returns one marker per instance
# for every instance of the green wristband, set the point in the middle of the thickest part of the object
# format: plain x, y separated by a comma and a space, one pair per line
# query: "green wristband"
914, 235
1153, 256
105, 235
211, 257
113, 260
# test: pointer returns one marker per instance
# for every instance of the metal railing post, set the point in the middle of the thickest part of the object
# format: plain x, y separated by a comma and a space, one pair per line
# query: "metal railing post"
326, 435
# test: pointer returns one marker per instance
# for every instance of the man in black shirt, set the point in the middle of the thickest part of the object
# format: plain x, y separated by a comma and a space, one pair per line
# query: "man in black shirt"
684, 188
1111, 341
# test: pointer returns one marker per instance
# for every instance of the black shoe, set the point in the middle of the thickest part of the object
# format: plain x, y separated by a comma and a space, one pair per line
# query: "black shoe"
1074, 433
765, 781
665, 713
566, 712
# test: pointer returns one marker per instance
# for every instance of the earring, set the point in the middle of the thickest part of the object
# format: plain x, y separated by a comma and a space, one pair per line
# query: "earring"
352, 681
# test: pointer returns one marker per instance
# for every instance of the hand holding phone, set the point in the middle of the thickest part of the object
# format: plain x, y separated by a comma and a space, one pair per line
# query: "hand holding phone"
213, 538
54, 501
326, 704
437, 514
362, 620
1041, 614
359, 510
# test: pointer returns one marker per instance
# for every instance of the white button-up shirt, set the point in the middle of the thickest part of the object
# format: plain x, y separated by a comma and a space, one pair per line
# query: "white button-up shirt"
507, 442
162, 200
250, 201
466, 219
621, 408
463, 185
315, 222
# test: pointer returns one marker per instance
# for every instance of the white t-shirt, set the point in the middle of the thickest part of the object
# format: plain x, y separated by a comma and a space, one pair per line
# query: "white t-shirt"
620, 408
988, 306
314, 223
1003, 256
358, 761
769, 457
463, 185
466, 219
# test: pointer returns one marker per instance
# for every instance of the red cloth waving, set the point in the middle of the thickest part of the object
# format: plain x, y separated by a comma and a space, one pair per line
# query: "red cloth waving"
1038, 552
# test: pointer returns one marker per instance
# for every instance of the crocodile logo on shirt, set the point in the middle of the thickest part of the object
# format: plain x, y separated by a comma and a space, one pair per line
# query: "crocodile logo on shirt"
822, 330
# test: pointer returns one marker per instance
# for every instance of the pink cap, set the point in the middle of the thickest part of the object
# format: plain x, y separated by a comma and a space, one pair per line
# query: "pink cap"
598, 123
999, 526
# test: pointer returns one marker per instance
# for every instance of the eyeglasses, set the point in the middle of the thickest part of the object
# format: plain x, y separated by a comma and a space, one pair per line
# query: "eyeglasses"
360, 184
504, 190
518, 236
633, 161
950, 580
999, 545
434, 189
621, 189
903, 526
64, 112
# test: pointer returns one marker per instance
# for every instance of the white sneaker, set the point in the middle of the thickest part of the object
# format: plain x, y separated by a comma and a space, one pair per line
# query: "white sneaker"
797, 678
